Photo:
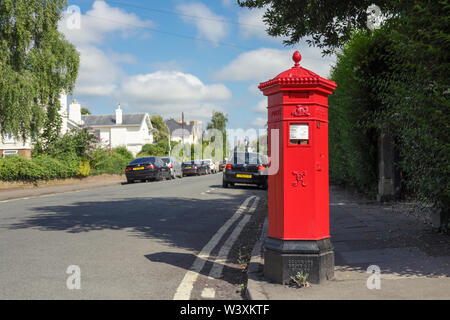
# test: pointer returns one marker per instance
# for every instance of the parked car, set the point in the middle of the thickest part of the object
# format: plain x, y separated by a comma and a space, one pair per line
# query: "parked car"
247, 168
222, 165
211, 165
174, 165
146, 169
194, 167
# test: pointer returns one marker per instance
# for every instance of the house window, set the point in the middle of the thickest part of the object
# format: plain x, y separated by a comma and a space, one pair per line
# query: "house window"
7, 153
9, 139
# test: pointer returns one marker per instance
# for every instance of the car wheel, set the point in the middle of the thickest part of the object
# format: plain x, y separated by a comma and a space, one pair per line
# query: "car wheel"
160, 176
130, 181
224, 184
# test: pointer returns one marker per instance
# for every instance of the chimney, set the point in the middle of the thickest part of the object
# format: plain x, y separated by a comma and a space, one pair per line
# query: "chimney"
63, 103
118, 115
75, 112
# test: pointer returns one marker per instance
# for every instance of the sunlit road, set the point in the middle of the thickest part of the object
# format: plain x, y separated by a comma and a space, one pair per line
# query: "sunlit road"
132, 241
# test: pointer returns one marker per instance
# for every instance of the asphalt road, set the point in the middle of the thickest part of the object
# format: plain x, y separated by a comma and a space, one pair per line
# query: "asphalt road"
135, 241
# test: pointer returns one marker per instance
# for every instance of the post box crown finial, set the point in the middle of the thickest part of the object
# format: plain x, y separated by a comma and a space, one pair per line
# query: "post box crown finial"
297, 57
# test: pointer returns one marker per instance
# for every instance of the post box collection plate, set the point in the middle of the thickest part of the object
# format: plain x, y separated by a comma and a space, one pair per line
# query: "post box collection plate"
298, 131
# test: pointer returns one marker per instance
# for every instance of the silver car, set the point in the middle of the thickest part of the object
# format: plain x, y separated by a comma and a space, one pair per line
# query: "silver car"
174, 165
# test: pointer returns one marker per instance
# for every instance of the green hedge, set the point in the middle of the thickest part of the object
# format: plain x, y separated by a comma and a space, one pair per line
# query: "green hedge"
17, 168
44, 167
353, 140
110, 161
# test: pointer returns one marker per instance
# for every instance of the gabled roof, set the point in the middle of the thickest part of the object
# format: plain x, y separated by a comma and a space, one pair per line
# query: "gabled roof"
174, 125
132, 119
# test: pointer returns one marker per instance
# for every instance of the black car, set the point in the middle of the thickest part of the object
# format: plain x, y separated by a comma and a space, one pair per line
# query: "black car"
247, 168
194, 167
146, 169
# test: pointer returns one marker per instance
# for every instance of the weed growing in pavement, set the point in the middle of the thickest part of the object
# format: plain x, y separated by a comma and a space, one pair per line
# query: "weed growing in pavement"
243, 258
300, 279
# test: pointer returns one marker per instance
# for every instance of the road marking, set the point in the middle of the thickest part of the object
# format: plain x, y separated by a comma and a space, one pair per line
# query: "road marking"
219, 263
187, 284
208, 293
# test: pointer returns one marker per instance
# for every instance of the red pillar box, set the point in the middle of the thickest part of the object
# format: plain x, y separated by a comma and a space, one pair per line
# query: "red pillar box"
299, 236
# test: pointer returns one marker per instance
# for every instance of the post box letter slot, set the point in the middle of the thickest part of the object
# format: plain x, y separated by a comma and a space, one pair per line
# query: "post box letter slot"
299, 133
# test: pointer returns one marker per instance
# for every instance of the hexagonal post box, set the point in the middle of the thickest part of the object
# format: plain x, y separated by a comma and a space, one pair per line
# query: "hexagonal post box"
299, 236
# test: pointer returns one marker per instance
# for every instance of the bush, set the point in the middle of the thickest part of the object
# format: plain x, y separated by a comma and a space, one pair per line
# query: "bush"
353, 139
84, 169
110, 161
124, 153
77, 141
18, 168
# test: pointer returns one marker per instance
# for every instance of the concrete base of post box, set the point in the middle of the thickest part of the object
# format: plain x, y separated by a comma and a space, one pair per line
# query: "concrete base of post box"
284, 258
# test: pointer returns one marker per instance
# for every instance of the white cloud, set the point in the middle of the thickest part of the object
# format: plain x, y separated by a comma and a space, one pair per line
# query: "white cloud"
227, 3
259, 122
99, 72
100, 21
252, 24
170, 92
264, 64
260, 64
208, 25
261, 107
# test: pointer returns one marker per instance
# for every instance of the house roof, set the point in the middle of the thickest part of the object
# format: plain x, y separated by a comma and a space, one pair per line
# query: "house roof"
174, 125
131, 119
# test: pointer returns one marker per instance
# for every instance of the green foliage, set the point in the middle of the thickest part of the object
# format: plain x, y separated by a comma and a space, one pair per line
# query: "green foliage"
124, 153
353, 139
162, 132
36, 64
77, 141
396, 78
219, 121
85, 111
16, 168
84, 169
104, 161
415, 92
326, 24
159, 149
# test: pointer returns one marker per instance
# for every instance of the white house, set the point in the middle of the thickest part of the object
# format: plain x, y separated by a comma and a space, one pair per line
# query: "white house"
113, 130
191, 133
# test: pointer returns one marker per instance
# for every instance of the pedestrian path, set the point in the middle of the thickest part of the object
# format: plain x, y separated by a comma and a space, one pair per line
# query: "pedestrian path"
380, 253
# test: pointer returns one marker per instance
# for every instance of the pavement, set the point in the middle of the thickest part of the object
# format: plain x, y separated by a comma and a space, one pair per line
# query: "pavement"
20, 190
414, 260
155, 240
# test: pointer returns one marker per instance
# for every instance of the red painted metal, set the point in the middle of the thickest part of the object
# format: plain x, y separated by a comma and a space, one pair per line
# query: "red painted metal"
298, 192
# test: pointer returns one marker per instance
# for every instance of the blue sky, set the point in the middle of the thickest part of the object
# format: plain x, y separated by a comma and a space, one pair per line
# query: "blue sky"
165, 57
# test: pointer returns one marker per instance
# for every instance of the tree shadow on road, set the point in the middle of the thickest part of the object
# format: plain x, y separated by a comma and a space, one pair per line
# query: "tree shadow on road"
182, 222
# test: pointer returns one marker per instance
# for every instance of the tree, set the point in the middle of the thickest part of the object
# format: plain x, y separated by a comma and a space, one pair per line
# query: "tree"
36, 64
396, 78
219, 122
85, 111
162, 132
328, 24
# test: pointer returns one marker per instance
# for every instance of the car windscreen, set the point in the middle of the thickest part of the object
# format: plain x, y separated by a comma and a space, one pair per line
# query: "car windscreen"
166, 160
143, 160
248, 158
